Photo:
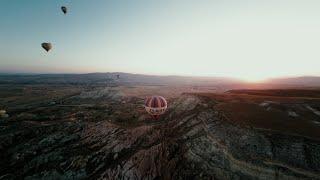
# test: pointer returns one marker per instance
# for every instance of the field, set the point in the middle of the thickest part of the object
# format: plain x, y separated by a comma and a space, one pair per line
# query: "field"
286, 111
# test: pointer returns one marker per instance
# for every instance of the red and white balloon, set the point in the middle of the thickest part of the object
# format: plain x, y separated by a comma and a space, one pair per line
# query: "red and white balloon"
155, 106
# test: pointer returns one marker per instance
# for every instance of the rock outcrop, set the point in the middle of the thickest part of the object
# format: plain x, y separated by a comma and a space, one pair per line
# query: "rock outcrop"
192, 141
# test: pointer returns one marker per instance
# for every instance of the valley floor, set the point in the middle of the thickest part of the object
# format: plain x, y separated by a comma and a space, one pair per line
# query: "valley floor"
103, 133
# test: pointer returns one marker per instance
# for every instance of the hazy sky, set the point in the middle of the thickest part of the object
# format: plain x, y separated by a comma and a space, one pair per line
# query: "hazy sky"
247, 39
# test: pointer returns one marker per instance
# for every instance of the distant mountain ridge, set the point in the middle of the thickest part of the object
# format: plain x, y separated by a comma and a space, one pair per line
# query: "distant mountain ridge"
302, 81
140, 79
112, 77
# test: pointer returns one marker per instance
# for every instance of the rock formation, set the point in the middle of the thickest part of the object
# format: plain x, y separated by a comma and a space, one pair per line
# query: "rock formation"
192, 141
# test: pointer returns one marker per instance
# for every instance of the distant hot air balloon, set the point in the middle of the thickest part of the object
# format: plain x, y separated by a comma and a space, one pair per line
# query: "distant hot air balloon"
155, 106
46, 46
64, 9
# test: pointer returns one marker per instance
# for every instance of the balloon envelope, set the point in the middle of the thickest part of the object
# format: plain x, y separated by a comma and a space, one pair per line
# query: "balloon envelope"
155, 106
46, 46
64, 9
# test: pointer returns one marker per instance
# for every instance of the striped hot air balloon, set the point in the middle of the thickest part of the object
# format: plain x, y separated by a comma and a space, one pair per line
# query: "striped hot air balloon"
155, 106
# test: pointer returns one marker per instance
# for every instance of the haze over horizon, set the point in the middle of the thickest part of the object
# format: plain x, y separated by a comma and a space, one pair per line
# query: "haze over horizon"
249, 40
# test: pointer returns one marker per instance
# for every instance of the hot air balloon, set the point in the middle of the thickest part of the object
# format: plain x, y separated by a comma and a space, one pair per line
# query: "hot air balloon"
46, 46
64, 9
155, 106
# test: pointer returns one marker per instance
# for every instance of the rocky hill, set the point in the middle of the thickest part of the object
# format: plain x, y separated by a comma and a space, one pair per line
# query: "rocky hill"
192, 141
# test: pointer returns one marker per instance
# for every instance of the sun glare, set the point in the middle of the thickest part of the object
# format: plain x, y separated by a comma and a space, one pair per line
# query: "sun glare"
253, 79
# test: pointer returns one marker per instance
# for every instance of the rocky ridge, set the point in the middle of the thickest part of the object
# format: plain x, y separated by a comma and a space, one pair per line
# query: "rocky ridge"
192, 141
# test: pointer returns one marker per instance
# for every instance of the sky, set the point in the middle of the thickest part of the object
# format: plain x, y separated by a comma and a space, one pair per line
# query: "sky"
248, 39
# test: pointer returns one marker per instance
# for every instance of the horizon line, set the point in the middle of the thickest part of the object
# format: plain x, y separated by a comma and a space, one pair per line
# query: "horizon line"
146, 74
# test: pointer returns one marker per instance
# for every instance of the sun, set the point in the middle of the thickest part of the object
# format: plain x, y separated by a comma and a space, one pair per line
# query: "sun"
253, 79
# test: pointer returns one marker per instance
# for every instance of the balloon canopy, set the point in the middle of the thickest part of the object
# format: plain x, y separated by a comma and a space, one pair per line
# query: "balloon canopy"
155, 106
46, 46
64, 9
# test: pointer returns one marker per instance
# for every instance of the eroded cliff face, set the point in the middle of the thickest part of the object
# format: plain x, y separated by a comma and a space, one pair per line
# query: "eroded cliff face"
193, 140
231, 151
